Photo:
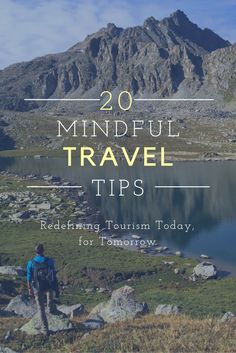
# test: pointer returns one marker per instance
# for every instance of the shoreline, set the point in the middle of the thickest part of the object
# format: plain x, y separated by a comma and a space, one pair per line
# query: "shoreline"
170, 157
132, 242
125, 240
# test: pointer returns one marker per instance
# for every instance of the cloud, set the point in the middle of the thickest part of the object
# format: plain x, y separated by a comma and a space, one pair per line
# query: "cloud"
42, 27
33, 28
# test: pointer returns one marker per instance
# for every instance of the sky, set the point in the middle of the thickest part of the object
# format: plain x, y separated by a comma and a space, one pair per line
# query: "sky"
31, 28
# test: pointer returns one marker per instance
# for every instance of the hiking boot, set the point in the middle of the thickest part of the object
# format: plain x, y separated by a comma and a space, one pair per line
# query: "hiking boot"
46, 333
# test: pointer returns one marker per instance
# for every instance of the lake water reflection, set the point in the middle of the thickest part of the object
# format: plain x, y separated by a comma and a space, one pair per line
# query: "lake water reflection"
212, 212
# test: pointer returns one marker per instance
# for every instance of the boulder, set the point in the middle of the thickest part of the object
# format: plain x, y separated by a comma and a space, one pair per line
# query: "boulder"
205, 270
161, 249
11, 270
52, 178
6, 350
193, 277
122, 306
72, 311
94, 322
56, 323
168, 263
166, 309
19, 216
178, 253
8, 336
227, 317
204, 256
134, 236
40, 206
102, 290
23, 306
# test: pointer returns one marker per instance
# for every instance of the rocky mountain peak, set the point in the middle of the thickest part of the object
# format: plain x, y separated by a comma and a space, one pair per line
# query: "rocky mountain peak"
150, 22
160, 58
181, 29
111, 26
113, 30
179, 17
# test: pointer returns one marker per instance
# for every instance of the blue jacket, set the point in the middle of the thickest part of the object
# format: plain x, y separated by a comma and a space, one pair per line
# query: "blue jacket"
40, 259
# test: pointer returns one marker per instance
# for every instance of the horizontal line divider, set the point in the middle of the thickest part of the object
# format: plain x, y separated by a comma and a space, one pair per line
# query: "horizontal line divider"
176, 99
182, 187
61, 99
54, 186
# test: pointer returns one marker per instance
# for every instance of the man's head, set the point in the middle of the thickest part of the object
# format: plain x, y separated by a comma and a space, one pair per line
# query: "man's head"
39, 249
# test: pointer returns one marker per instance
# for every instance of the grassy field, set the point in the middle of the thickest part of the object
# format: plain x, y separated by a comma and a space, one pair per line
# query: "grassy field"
81, 267
156, 334
160, 335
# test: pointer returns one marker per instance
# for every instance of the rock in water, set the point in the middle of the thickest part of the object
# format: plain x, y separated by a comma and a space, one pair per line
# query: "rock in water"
178, 253
205, 270
23, 306
56, 323
204, 256
72, 311
165, 309
134, 236
122, 306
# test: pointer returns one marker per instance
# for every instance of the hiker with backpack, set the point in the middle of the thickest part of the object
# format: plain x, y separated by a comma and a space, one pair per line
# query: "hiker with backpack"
41, 281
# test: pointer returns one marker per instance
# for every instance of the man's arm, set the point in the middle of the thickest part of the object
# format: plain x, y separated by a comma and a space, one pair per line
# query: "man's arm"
29, 270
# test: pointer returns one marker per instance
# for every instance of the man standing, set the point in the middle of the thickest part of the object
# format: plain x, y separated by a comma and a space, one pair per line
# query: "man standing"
41, 281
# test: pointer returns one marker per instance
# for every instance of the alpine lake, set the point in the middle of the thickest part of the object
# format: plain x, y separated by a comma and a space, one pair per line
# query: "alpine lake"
210, 212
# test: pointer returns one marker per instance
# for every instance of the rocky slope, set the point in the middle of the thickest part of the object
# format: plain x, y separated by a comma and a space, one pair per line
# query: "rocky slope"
161, 58
220, 71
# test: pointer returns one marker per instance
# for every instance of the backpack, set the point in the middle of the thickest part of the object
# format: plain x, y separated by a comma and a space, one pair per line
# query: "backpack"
42, 276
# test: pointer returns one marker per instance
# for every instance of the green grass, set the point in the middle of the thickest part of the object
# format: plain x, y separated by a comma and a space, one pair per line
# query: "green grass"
160, 335
17, 184
212, 298
93, 266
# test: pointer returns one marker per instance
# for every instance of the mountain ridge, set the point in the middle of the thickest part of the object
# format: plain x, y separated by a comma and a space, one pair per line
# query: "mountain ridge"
163, 58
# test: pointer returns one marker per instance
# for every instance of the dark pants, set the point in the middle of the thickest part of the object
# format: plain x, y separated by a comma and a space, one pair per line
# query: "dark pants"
40, 301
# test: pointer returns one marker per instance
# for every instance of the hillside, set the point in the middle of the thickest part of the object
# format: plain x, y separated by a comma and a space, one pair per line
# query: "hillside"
171, 57
150, 334
161, 335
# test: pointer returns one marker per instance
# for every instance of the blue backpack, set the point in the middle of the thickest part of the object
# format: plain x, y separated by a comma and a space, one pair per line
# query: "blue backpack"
42, 276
